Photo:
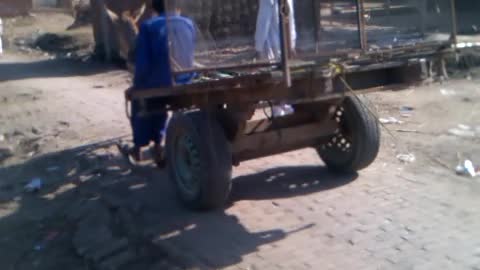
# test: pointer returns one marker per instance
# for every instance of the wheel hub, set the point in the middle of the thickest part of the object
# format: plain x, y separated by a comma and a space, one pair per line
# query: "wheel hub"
341, 140
187, 164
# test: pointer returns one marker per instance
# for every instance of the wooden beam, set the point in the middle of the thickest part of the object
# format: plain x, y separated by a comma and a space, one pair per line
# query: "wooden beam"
271, 141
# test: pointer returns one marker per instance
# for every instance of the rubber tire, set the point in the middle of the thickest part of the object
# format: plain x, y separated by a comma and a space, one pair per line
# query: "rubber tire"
215, 159
365, 138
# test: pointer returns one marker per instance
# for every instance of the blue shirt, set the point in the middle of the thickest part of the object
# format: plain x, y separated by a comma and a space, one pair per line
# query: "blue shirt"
152, 63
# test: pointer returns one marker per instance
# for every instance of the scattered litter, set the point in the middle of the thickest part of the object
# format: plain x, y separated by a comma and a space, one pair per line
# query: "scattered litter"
462, 131
448, 92
406, 158
35, 131
64, 123
466, 169
406, 109
390, 120
98, 86
34, 185
2, 137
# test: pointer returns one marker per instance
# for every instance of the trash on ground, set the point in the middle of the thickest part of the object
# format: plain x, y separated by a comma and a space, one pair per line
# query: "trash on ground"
406, 158
448, 92
466, 168
2, 137
390, 120
34, 185
462, 131
406, 109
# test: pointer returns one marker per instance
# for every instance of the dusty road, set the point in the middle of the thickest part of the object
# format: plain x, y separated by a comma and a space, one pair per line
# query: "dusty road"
59, 120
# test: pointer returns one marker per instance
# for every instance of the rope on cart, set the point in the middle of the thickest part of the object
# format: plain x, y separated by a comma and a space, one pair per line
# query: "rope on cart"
340, 70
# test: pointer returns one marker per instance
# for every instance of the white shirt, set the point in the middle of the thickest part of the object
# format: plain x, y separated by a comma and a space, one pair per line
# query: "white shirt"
1, 33
267, 34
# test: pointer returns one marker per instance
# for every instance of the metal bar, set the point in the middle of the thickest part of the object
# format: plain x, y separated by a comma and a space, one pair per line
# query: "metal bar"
454, 22
228, 67
285, 43
361, 25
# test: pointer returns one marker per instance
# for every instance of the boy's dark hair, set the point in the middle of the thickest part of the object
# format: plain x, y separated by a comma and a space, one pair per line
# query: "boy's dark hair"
161, 6
158, 6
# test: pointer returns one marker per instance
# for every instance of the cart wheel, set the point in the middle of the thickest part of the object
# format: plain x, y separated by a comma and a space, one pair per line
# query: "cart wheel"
356, 143
199, 160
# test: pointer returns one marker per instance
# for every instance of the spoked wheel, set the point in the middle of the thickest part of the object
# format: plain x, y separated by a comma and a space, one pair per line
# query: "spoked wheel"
199, 160
356, 143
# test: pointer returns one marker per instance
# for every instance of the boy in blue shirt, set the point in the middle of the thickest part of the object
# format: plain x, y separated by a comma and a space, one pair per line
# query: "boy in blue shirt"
158, 46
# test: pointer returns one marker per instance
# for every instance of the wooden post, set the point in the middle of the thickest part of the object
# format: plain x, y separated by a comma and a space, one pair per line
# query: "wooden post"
286, 46
105, 33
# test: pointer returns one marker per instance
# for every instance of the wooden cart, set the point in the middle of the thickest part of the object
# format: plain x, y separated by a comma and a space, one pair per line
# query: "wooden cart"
213, 128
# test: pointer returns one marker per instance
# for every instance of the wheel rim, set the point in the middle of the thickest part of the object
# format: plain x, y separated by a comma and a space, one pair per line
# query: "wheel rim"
187, 164
341, 144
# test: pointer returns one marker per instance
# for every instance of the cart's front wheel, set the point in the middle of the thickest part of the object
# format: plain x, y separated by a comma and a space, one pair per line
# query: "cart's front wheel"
357, 141
199, 159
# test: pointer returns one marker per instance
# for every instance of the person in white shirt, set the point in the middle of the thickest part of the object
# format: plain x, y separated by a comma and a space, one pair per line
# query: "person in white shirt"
267, 34
1, 34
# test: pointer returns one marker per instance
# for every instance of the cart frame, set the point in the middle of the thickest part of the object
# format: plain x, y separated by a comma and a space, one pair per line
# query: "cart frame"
213, 125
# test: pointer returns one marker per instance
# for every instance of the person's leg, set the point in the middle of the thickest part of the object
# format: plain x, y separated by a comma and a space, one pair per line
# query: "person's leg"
158, 131
141, 129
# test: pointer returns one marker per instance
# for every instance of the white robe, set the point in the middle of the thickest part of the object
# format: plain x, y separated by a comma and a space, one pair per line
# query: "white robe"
1, 34
267, 34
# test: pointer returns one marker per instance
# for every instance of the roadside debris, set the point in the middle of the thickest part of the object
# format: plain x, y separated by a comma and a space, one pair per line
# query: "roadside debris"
390, 120
406, 111
467, 168
448, 92
2, 137
462, 131
406, 158
34, 185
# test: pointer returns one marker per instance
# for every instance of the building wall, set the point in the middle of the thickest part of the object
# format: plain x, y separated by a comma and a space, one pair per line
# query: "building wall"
15, 7
44, 3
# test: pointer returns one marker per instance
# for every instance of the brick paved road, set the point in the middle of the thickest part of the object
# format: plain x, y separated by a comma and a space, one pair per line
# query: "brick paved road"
288, 212
301, 217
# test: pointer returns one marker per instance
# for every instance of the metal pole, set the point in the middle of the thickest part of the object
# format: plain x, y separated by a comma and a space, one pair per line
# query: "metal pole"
454, 22
361, 25
284, 15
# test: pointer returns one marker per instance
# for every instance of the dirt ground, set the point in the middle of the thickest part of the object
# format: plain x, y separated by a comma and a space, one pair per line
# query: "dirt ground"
60, 118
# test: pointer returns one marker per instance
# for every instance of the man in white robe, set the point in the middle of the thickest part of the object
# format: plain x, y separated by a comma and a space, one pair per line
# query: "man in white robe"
267, 34
1, 34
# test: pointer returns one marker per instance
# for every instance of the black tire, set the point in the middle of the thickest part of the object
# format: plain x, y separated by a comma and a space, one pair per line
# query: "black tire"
357, 143
199, 160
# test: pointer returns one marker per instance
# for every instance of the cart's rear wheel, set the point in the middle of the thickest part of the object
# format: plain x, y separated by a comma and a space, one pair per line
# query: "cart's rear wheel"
199, 159
357, 142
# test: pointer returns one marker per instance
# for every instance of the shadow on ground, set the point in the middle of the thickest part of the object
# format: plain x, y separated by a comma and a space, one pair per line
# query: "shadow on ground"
94, 172
9, 71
